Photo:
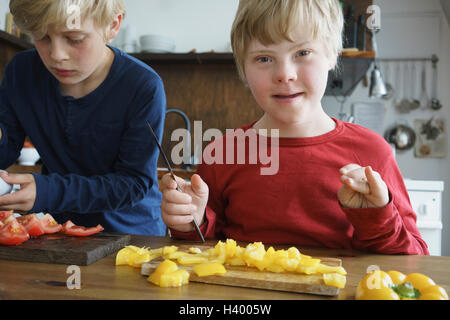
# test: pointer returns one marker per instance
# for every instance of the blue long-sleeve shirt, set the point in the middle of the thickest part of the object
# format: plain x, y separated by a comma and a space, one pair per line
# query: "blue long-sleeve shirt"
99, 158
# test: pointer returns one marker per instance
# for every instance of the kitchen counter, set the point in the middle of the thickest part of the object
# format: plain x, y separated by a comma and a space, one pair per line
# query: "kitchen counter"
104, 280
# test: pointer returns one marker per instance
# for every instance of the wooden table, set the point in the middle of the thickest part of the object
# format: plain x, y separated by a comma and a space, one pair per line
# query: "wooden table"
103, 280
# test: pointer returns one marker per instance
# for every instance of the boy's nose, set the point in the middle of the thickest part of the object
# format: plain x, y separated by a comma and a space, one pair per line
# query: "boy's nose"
57, 52
285, 72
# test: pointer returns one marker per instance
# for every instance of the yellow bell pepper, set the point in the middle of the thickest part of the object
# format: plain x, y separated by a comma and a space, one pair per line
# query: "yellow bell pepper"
334, 280
208, 269
167, 274
394, 285
191, 259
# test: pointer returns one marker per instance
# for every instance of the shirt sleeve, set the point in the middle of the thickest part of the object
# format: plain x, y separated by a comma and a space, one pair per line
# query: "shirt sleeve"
390, 229
132, 176
13, 135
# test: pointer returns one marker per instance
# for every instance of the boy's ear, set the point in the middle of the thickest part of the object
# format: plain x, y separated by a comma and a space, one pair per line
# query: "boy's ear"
115, 27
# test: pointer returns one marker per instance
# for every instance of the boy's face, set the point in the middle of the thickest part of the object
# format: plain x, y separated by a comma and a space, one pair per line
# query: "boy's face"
72, 55
288, 79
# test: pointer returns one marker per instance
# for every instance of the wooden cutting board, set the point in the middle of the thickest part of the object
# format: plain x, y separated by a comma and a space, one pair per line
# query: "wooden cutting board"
250, 277
64, 249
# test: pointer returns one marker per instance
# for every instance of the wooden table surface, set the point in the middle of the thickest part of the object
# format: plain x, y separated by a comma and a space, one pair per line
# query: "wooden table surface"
103, 280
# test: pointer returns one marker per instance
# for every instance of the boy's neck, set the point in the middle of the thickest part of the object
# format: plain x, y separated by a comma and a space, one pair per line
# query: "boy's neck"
316, 125
93, 81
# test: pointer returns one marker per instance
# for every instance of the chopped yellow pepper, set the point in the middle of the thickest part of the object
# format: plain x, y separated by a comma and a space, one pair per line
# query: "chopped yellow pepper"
334, 280
208, 269
168, 275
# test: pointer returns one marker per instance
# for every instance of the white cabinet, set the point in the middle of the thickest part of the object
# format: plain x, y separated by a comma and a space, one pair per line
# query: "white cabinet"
426, 201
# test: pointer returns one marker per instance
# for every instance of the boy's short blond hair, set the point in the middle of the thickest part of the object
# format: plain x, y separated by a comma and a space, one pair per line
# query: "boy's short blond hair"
34, 16
272, 21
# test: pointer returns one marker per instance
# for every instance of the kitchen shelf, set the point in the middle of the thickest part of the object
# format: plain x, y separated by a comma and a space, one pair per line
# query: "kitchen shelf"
17, 168
15, 41
219, 58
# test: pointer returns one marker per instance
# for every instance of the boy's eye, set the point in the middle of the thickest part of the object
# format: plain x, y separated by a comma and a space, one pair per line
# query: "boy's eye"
303, 53
76, 41
263, 59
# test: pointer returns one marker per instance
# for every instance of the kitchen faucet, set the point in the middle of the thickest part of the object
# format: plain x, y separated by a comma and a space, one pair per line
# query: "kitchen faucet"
187, 122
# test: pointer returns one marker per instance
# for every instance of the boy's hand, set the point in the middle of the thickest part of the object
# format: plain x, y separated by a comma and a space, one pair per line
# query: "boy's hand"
21, 201
177, 207
362, 188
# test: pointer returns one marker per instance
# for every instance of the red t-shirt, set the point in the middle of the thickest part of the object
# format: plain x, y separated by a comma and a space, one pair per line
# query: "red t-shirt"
299, 206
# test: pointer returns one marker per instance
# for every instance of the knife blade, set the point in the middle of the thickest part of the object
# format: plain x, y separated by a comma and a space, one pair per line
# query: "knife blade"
166, 161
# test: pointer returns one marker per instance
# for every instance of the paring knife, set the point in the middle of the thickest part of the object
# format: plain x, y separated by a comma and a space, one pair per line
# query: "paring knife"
173, 176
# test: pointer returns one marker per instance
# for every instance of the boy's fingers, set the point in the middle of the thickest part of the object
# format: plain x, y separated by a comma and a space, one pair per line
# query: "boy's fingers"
169, 183
199, 186
179, 209
173, 196
360, 186
376, 184
17, 178
177, 220
348, 168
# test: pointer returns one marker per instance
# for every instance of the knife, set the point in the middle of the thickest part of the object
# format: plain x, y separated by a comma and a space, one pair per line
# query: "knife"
173, 176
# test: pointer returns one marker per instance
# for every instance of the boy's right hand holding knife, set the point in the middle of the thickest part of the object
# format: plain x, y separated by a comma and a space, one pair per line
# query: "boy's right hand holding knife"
177, 208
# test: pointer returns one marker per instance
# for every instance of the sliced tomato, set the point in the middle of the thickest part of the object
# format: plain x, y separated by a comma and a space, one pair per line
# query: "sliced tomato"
13, 233
67, 225
83, 231
5, 214
32, 224
49, 224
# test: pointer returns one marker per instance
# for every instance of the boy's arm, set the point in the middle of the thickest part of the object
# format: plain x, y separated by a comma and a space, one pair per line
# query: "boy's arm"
12, 135
390, 229
131, 177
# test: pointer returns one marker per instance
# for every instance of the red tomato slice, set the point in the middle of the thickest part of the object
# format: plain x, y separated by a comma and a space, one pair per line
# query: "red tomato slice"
49, 224
13, 233
67, 225
83, 231
32, 224
5, 214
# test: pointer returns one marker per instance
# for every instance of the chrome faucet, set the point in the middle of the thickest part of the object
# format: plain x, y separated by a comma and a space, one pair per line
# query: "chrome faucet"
187, 122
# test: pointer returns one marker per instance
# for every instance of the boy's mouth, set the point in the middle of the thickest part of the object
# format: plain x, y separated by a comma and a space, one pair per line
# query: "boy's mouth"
63, 72
287, 96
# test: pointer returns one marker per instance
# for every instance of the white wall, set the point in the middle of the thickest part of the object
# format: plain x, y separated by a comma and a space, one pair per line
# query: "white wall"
203, 25
4, 9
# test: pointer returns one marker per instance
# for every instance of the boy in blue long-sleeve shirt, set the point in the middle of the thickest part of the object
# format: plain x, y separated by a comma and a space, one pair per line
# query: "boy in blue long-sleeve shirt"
84, 106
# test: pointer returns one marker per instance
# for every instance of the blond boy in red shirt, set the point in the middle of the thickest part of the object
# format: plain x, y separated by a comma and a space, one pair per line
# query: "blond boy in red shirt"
337, 184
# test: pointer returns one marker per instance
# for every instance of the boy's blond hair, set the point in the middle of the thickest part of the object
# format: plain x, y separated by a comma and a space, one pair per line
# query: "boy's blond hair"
34, 16
272, 21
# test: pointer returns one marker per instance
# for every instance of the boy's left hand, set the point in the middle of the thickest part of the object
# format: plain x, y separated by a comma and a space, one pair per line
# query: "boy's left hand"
362, 188
21, 201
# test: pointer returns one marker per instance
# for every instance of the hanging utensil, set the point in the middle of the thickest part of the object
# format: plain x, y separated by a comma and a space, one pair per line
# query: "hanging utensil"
424, 100
403, 105
387, 81
413, 103
402, 136
435, 103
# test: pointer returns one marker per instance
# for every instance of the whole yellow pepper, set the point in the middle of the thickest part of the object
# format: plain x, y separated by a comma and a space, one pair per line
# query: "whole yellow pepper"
394, 285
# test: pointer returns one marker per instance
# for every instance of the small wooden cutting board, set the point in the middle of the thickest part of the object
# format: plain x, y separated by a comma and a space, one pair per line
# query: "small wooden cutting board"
64, 249
250, 277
